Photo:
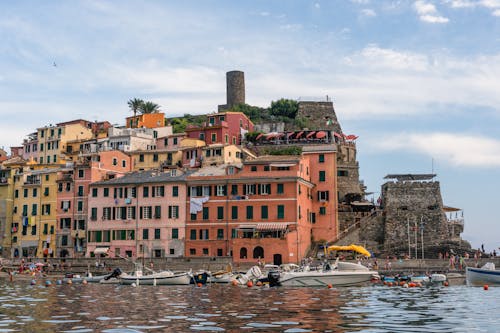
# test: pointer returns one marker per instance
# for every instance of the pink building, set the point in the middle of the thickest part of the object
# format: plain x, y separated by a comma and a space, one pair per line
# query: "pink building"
224, 127
72, 197
141, 214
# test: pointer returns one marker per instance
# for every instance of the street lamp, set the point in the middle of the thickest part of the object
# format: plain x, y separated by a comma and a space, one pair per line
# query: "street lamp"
422, 234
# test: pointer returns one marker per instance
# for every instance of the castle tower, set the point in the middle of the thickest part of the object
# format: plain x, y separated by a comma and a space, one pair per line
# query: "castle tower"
235, 81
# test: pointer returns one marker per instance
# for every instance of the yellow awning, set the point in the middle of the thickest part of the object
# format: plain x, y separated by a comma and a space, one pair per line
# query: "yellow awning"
352, 247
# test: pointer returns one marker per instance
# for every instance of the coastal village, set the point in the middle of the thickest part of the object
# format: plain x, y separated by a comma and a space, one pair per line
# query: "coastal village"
224, 185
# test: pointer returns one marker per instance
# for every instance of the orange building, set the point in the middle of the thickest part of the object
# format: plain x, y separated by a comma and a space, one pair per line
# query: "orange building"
271, 208
147, 120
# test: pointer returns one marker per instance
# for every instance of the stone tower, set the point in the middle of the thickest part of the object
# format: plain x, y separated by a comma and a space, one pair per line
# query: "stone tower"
235, 81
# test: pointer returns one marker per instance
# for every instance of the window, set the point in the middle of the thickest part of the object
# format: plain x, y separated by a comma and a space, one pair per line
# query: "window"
221, 190
124, 164
192, 252
220, 212
253, 168
281, 211
64, 240
93, 213
46, 191
106, 192
25, 210
321, 158
145, 212
141, 158
155, 157
145, 191
249, 212
25, 193
226, 138
322, 176
205, 213
192, 234
234, 212
106, 213
16, 194
323, 196
46, 209
80, 191
130, 212
94, 192
220, 233
342, 173
157, 212
204, 234
313, 217
322, 210
175, 141
193, 217
234, 233
175, 233
65, 223
115, 161
158, 191
35, 192
81, 173
145, 233
264, 189
234, 189
249, 189
230, 170
34, 209
258, 252
175, 191
173, 212
80, 206
279, 188
264, 212
214, 137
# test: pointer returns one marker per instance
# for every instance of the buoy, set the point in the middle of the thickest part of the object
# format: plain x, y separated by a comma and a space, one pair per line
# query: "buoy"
249, 284
485, 287
234, 282
445, 283
330, 286
199, 284
33, 282
389, 284
259, 284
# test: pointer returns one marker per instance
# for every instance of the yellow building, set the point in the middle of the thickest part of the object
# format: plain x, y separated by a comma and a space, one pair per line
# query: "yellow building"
34, 213
52, 140
154, 159
7, 171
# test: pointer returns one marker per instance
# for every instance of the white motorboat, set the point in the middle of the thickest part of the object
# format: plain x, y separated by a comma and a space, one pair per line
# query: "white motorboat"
486, 275
156, 278
341, 274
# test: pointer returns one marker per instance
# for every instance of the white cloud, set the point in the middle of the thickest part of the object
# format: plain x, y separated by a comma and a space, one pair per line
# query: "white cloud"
496, 12
460, 3
317, 5
494, 5
380, 57
427, 12
368, 12
455, 149
361, 2
265, 14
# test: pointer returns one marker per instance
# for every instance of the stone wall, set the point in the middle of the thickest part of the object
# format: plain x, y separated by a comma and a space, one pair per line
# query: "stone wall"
409, 207
319, 115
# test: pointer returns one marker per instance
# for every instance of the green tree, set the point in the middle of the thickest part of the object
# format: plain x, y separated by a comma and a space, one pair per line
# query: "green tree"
149, 107
284, 108
135, 105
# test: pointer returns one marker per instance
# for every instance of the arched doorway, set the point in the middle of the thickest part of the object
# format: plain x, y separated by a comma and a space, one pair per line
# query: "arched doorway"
243, 253
258, 252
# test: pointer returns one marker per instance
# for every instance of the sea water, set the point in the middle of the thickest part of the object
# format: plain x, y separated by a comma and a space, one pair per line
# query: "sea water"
82, 308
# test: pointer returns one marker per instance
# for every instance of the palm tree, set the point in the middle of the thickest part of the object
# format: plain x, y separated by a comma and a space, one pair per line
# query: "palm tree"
135, 104
149, 107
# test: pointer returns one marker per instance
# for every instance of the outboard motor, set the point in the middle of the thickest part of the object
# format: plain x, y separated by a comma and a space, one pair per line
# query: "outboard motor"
201, 277
116, 273
274, 278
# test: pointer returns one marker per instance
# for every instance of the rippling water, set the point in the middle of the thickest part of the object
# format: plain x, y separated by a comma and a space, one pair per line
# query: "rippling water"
213, 308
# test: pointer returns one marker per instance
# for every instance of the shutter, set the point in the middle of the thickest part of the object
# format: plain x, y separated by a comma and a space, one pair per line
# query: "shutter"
189, 191
244, 189
141, 213
268, 186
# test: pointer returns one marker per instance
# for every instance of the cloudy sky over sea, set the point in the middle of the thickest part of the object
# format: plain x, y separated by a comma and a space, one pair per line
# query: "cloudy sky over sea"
418, 81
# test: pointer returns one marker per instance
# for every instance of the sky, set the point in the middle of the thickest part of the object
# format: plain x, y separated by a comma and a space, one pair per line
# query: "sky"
417, 81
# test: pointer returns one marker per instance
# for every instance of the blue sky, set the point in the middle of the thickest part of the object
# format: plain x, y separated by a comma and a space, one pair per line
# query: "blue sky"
418, 81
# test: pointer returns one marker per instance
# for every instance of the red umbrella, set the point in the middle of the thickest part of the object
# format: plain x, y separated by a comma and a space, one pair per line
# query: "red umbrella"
320, 134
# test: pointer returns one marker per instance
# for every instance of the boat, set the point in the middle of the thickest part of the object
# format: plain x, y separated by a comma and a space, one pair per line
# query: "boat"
165, 277
486, 275
340, 274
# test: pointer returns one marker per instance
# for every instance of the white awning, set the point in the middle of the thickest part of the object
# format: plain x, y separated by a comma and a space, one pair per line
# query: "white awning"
101, 250
272, 226
279, 165
247, 226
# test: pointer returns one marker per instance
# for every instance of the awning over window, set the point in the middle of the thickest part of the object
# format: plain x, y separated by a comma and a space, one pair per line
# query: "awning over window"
278, 165
101, 250
272, 226
247, 226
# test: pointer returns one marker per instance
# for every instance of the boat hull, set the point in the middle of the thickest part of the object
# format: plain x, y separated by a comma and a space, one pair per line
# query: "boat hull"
480, 277
156, 280
333, 278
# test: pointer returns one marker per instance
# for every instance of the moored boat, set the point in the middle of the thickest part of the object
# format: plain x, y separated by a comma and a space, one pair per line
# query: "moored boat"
156, 278
486, 275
